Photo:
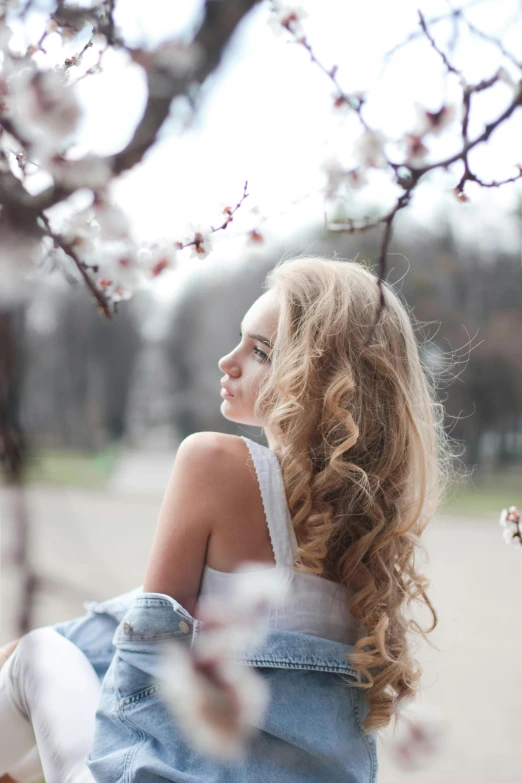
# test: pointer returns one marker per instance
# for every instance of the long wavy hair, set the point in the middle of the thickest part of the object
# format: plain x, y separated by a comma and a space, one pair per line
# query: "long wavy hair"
364, 454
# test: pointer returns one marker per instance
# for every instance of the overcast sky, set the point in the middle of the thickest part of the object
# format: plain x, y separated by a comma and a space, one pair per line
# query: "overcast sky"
267, 116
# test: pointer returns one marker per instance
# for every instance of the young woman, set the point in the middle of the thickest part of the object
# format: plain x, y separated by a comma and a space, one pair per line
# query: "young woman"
356, 464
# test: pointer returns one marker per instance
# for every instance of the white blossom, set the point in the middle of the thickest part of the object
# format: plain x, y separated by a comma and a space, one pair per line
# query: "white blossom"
99, 237
120, 270
512, 529
125, 269
218, 701
508, 515
334, 171
158, 256
341, 107
113, 222
88, 172
100, 222
356, 178
81, 231
434, 122
178, 58
416, 150
290, 14
225, 212
59, 257
5, 36
43, 107
201, 237
419, 736
509, 532
112, 262
254, 592
337, 176
218, 706
369, 149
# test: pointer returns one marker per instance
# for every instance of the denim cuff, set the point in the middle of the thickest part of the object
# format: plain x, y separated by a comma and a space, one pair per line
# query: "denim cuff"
154, 617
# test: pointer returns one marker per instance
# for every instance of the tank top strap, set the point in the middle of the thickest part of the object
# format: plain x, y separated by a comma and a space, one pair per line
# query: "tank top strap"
277, 513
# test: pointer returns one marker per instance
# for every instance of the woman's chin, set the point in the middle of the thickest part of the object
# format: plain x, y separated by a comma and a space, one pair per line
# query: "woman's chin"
226, 411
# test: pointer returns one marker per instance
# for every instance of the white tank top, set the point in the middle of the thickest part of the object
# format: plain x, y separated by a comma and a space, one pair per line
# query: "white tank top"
312, 605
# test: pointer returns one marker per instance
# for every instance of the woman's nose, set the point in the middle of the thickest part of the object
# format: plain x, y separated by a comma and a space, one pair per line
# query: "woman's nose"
226, 365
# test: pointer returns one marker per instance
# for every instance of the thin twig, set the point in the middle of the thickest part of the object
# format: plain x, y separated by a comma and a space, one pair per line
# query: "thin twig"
451, 68
67, 247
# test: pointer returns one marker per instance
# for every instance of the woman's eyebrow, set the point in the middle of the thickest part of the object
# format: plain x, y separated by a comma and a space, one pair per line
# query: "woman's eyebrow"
259, 337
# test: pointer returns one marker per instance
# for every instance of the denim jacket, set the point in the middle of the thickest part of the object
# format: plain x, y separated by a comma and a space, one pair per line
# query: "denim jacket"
311, 732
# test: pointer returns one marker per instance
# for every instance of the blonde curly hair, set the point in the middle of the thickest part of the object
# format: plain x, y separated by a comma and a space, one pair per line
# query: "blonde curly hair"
364, 454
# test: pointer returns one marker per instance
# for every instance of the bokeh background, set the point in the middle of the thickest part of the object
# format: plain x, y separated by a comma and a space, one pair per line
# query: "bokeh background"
103, 405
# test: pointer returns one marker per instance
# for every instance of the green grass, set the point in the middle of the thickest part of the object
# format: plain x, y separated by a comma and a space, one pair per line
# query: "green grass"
486, 495
70, 468
481, 495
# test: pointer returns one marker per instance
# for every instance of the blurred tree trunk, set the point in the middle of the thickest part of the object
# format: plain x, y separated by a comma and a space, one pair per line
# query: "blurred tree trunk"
13, 444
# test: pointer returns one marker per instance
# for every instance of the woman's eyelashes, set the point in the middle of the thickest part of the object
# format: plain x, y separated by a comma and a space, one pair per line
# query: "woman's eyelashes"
260, 354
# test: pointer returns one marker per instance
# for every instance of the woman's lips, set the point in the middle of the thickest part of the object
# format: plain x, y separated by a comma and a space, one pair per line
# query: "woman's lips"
225, 393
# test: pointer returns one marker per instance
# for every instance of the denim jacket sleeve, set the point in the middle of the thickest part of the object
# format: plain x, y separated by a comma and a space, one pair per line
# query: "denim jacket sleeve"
311, 733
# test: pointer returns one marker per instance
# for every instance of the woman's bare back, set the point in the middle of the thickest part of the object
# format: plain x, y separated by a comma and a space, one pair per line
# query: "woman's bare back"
237, 537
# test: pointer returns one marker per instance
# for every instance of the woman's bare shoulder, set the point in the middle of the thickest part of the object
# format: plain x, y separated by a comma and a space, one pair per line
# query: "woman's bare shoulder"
224, 459
207, 440
239, 530
213, 438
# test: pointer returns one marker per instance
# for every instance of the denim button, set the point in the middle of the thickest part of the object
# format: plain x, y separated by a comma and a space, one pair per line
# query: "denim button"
184, 627
127, 627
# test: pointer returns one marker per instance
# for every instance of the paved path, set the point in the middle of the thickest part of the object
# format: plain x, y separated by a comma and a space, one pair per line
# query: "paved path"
99, 542
142, 473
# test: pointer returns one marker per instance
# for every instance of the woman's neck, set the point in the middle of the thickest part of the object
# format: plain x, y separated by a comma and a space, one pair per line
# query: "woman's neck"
274, 443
